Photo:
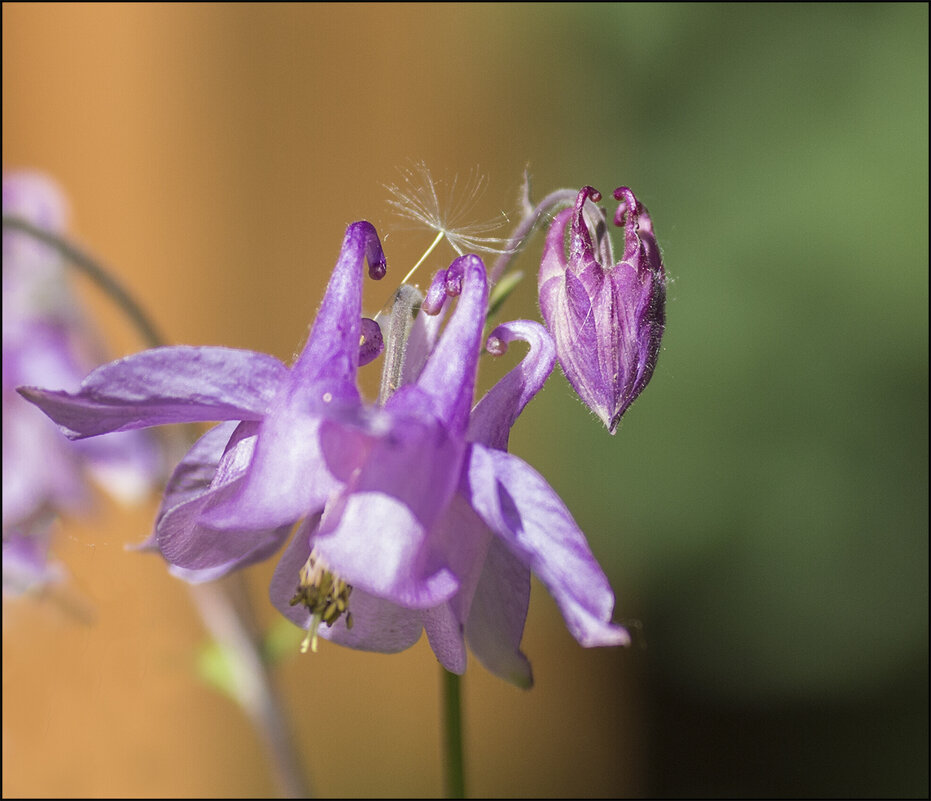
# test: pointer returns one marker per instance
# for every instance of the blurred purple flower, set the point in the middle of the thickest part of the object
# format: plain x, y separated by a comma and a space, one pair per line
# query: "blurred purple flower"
26, 563
47, 341
607, 319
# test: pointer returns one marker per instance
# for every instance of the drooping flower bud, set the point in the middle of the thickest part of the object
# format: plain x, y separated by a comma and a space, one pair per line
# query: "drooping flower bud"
607, 318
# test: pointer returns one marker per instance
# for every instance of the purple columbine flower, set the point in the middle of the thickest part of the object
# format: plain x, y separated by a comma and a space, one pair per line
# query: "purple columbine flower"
47, 341
414, 516
607, 319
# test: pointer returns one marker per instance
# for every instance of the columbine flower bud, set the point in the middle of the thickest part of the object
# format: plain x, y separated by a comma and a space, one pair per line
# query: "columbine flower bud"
607, 319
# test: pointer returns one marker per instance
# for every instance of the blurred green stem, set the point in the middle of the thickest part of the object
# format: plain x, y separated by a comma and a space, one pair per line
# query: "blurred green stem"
93, 270
452, 720
226, 611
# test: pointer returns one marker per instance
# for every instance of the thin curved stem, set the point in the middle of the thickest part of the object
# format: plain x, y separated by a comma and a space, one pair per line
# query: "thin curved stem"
93, 270
452, 724
561, 197
221, 607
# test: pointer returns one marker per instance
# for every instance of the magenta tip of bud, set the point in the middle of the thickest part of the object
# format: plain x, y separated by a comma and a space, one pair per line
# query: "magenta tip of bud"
378, 270
586, 193
629, 206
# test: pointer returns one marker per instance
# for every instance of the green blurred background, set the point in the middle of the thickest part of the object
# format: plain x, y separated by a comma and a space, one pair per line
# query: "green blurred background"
763, 510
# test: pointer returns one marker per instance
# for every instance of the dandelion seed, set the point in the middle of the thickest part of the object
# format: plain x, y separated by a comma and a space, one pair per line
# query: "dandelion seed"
417, 198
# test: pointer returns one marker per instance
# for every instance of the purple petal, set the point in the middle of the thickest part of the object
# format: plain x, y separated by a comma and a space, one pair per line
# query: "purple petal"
496, 620
196, 470
449, 375
491, 419
381, 533
126, 464
532, 521
165, 385
607, 319
183, 539
375, 542
373, 343
444, 631
581, 249
288, 477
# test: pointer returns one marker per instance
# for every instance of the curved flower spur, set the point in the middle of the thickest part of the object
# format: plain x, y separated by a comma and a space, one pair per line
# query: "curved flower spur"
607, 319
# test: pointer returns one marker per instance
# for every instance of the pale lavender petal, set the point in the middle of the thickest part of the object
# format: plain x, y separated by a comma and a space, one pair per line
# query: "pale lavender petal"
184, 540
195, 472
464, 539
377, 625
444, 631
165, 385
525, 512
491, 419
381, 533
288, 477
375, 542
303, 455
495, 625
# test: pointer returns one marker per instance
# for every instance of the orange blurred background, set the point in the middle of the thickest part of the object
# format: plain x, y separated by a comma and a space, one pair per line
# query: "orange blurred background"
212, 156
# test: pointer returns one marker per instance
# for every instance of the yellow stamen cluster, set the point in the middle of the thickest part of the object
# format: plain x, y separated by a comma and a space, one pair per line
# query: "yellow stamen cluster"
325, 595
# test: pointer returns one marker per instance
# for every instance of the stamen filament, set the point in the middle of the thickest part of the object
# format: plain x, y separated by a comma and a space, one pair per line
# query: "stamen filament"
311, 639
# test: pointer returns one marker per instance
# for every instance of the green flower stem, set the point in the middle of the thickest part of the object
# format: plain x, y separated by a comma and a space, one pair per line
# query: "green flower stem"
93, 270
452, 720
225, 610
